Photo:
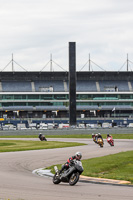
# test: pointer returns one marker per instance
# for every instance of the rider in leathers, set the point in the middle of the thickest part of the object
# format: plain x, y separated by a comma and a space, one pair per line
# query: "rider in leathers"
77, 156
99, 136
108, 135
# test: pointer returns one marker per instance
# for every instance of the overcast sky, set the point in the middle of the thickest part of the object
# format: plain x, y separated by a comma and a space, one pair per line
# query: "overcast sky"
32, 30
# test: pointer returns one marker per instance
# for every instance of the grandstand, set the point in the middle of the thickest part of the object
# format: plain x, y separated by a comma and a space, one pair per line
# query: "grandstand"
45, 95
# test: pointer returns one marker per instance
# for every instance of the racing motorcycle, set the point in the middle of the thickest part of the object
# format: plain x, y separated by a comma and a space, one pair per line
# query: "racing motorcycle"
100, 142
110, 141
42, 137
70, 175
94, 140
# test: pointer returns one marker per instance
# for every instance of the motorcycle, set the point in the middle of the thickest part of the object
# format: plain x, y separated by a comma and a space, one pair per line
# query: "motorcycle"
100, 142
70, 175
94, 139
42, 138
110, 141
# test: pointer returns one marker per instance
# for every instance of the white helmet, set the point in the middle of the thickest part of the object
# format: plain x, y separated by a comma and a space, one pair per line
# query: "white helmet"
78, 155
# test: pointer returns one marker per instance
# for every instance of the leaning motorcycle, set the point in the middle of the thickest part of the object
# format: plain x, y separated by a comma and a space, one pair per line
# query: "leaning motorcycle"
43, 138
94, 140
71, 175
110, 141
100, 142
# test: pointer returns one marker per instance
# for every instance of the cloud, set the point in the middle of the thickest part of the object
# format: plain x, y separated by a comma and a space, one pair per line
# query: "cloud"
33, 30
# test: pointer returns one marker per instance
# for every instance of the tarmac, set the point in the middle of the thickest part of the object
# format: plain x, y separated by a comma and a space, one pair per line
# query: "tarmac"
47, 173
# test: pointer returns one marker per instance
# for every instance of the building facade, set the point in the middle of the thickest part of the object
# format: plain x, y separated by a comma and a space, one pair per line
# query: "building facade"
46, 94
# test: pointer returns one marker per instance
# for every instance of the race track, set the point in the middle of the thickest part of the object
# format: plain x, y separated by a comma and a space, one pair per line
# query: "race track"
17, 182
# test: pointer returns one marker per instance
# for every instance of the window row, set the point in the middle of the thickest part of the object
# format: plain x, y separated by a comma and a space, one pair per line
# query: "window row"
66, 97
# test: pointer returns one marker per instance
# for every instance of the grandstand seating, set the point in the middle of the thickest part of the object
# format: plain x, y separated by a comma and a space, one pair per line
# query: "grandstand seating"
35, 94
14, 108
131, 85
16, 86
117, 107
51, 108
86, 86
120, 85
85, 107
58, 86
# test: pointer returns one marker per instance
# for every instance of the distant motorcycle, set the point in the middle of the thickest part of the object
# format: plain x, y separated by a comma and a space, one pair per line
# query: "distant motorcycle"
110, 141
42, 137
100, 142
94, 139
71, 175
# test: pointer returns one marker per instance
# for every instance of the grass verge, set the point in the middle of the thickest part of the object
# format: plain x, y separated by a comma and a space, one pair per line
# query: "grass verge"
115, 136
20, 145
118, 166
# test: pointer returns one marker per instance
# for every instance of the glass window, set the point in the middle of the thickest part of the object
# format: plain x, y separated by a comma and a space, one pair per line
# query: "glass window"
33, 96
57, 103
7, 97
7, 104
60, 96
33, 104
46, 97
17, 97
125, 96
23, 96
84, 96
19, 104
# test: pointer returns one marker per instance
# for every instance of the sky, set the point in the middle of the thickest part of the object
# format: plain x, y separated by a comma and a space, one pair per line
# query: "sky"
35, 34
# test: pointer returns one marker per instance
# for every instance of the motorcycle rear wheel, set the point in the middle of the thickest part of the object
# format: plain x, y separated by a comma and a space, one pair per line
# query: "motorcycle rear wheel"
56, 180
74, 179
101, 145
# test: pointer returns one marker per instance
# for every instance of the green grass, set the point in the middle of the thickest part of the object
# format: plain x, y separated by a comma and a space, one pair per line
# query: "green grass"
118, 166
115, 136
19, 145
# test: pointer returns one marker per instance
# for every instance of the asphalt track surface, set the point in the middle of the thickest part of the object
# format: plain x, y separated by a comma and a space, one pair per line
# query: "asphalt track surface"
17, 182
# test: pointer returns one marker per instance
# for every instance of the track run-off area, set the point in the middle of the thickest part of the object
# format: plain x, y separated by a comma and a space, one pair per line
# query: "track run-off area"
17, 182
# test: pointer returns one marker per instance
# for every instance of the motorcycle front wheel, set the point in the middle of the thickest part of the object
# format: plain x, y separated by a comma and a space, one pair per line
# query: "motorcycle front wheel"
74, 178
112, 144
56, 180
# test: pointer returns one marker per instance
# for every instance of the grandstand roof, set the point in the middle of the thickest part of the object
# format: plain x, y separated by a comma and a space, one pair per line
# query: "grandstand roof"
83, 75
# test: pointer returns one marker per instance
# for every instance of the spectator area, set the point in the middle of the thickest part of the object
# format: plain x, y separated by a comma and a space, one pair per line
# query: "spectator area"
58, 86
61, 86
113, 85
16, 86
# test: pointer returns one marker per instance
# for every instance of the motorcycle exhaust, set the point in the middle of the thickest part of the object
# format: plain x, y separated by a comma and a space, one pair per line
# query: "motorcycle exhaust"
56, 169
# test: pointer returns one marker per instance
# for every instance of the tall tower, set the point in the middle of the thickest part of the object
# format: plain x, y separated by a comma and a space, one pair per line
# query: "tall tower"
72, 83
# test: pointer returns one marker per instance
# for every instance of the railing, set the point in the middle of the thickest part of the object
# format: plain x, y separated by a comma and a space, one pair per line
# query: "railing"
83, 119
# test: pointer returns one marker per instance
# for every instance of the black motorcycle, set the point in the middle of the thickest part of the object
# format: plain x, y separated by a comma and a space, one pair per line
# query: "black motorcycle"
42, 137
71, 175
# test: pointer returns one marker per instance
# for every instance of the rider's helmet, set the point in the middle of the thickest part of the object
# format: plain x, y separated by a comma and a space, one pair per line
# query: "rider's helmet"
93, 134
99, 133
78, 155
108, 135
